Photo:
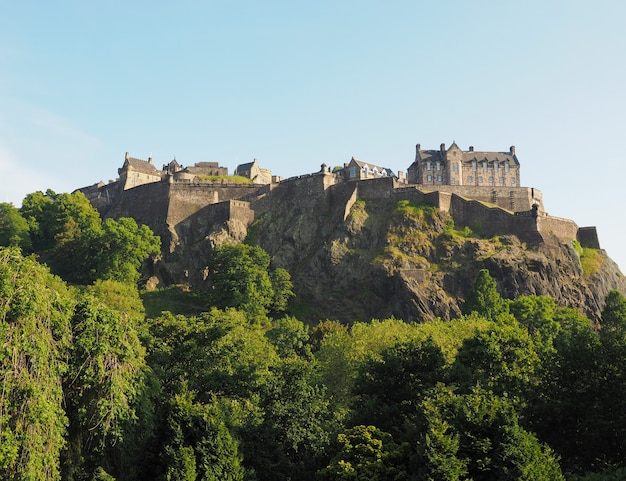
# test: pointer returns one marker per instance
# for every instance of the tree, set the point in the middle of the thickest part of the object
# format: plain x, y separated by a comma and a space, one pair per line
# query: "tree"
484, 298
614, 313
240, 278
198, 444
35, 335
290, 337
14, 230
368, 454
502, 359
477, 436
122, 248
51, 215
537, 314
105, 379
389, 390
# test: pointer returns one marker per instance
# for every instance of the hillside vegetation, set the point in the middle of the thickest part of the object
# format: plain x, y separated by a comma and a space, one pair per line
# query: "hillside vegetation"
103, 382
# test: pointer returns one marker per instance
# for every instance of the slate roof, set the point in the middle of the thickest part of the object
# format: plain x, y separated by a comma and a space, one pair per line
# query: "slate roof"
370, 166
470, 155
244, 168
143, 166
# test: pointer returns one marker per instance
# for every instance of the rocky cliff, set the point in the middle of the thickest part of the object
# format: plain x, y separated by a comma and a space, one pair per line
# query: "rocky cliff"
357, 258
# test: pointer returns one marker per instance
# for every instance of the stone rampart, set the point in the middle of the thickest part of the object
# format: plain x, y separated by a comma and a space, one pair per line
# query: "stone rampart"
187, 199
588, 237
564, 229
516, 199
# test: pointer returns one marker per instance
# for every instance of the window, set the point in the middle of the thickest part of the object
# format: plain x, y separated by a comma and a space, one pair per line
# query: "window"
365, 171
496, 166
438, 166
429, 178
491, 180
439, 178
485, 166
455, 168
470, 179
474, 167
427, 165
502, 181
480, 179
352, 172
512, 180
507, 167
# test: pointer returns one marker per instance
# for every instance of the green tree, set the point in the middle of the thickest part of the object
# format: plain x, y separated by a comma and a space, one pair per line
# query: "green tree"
297, 423
52, 216
14, 230
35, 335
290, 337
104, 381
240, 278
198, 444
477, 436
485, 299
614, 312
122, 248
502, 359
537, 314
366, 454
390, 389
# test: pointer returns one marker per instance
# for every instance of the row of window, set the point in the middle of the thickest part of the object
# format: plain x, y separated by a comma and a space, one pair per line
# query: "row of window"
455, 166
470, 180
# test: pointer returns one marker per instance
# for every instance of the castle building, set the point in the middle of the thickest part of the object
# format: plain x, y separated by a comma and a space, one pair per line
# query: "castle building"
136, 172
454, 166
252, 171
359, 170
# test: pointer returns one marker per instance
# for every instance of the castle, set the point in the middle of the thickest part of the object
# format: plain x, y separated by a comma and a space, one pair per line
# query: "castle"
480, 189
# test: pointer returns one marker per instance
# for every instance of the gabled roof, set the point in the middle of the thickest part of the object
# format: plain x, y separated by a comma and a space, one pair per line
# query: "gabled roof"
362, 164
479, 156
139, 165
244, 167
469, 155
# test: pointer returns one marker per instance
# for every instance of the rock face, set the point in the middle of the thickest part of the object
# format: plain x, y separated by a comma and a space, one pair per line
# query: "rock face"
358, 257
394, 258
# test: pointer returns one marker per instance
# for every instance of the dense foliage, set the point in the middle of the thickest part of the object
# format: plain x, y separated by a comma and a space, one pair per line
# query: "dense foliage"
94, 389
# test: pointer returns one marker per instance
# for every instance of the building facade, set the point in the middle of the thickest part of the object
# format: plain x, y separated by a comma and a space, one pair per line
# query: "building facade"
454, 166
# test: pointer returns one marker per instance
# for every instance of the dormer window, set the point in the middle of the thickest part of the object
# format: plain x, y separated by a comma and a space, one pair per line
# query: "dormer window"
507, 166
474, 165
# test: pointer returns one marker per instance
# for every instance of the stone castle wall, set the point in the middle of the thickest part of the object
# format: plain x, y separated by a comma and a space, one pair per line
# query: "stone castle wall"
486, 210
186, 199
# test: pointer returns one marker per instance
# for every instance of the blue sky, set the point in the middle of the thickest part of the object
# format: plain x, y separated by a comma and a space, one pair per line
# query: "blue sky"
296, 84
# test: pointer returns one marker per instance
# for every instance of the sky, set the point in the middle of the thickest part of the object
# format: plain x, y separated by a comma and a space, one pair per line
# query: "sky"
297, 84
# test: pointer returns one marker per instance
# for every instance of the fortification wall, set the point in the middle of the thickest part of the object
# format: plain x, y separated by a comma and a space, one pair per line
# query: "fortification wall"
147, 204
516, 199
185, 199
224, 211
489, 221
564, 229
588, 237
295, 191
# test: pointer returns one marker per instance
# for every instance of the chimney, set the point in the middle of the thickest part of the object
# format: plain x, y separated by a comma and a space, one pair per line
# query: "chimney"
418, 147
471, 148
442, 147
150, 159
512, 150
127, 156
